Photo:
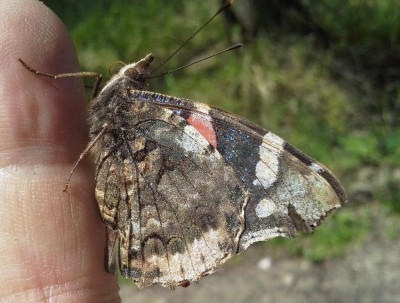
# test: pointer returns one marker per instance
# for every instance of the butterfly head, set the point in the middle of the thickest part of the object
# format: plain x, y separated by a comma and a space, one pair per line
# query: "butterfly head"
137, 72
131, 76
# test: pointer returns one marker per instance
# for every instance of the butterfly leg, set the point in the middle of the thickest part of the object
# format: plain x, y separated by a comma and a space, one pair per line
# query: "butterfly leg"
87, 149
98, 76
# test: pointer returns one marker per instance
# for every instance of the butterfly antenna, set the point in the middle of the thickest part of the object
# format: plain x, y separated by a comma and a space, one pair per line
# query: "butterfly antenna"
224, 7
235, 46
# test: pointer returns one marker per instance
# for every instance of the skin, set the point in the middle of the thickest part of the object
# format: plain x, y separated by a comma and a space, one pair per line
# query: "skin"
51, 242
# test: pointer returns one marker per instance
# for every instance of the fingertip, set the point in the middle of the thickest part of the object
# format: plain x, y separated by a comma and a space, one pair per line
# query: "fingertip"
42, 131
38, 111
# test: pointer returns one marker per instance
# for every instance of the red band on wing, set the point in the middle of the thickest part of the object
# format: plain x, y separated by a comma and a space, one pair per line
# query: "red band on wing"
203, 125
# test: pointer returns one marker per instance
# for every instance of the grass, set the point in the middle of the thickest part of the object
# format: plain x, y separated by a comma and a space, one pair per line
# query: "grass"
334, 238
278, 80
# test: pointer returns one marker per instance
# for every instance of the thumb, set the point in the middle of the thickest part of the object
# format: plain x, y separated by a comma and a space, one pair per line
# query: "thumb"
51, 242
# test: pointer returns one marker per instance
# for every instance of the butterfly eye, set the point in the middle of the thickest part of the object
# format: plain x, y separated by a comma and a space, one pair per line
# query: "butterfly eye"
112, 70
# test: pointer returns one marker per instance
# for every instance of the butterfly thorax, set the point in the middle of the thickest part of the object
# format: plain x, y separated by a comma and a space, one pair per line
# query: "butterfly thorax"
111, 106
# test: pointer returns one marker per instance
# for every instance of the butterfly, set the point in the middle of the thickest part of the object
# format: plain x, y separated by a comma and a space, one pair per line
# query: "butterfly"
182, 187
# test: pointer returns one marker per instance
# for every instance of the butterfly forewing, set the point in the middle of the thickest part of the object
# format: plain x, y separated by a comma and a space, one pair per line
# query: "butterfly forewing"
289, 191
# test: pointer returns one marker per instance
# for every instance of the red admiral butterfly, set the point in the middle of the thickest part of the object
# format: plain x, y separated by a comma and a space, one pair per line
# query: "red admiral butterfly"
182, 187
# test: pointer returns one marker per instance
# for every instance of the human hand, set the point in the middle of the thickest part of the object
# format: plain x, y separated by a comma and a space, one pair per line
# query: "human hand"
51, 242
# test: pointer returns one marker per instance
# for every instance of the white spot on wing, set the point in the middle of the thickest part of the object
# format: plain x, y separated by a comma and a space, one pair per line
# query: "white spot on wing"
203, 108
192, 141
316, 167
275, 139
265, 208
268, 165
259, 235
135, 227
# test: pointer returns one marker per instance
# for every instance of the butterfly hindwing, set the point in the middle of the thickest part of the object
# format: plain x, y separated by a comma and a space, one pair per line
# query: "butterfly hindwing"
180, 211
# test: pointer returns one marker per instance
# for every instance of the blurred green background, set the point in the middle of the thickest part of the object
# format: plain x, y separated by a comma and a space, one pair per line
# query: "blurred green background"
324, 75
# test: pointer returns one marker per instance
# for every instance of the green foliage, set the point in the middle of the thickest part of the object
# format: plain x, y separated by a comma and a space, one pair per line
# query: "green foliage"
106, 31
392, 227
372, 23
389, 193
360, 148
333, 238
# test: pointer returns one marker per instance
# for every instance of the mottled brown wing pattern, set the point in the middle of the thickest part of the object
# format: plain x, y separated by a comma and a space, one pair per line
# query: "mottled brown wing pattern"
179, 213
